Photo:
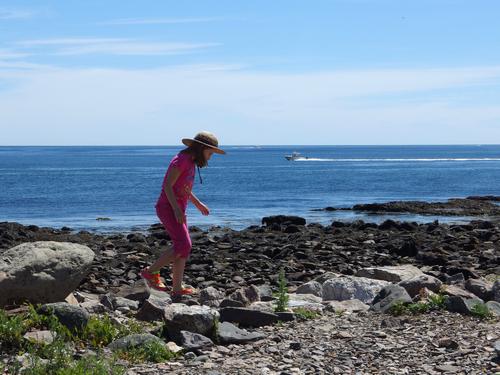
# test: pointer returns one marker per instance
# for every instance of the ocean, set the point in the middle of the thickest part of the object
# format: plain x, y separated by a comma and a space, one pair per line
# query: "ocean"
73, 186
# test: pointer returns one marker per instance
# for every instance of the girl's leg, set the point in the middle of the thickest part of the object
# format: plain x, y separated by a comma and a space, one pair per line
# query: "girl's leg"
178, 266
166, 258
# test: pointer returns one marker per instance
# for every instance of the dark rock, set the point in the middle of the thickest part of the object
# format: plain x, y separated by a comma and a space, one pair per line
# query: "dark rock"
389, 225
247, 317
480, 288
73, 317
448, 343
152, 309
338, 224
408, 249
295, 345
265, 292
285, 316
461, 305
282, 219
227, 302
291, 229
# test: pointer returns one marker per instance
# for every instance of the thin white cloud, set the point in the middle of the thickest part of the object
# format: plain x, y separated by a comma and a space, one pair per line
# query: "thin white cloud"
158, 21
9, 54
66, 41
112, 46
135, 48
13, 14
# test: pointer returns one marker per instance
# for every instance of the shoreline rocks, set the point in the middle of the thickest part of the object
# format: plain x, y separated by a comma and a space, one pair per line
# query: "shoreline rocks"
347, 275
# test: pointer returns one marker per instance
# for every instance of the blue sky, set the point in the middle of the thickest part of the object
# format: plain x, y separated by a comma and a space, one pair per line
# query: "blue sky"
253, 72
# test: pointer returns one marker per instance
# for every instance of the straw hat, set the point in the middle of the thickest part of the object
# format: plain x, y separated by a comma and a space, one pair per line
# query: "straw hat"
206, 139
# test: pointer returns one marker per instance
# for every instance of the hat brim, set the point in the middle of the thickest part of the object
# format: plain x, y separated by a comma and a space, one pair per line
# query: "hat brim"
188, 142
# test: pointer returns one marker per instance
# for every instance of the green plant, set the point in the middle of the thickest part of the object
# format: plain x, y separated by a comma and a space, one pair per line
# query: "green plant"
65, 365
437, 301
152, 351
398, 308
12, 329
282, 302
418, 308
215, 330
95, 365
305, 314
99, 332
481, 311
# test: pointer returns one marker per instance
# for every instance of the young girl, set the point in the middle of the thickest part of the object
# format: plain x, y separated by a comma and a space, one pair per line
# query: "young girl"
171, 209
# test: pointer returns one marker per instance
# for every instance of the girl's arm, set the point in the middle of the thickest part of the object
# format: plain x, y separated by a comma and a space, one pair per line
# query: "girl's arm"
194, 199
200, 206
172, 177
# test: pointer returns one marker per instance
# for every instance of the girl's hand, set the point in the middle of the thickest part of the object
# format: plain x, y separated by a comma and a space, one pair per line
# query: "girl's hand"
203, 209
179, 216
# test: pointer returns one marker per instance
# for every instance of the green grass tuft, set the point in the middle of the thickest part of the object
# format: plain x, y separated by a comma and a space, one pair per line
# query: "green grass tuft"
282, 302
481, 311
151, 352
305, 314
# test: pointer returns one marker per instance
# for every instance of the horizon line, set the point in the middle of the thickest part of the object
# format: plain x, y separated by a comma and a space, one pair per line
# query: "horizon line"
261, 145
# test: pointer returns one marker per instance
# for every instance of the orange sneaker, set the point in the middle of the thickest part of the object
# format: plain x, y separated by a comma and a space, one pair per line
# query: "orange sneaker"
153, 280
183, 292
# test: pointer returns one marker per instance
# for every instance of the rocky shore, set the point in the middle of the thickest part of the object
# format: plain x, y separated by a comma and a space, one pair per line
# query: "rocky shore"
355, 276
486, 206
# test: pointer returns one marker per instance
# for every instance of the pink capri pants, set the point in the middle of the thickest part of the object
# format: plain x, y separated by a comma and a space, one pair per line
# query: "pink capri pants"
179, 233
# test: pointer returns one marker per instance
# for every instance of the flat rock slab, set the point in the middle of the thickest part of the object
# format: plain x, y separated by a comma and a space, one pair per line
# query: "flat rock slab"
348, 306
394, 274
306, 301
228, 333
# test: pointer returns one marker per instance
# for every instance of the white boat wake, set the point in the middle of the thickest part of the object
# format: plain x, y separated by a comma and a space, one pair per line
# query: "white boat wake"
397, 160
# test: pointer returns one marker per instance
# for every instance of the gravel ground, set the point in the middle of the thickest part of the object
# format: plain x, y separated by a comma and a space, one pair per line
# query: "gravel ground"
364, 343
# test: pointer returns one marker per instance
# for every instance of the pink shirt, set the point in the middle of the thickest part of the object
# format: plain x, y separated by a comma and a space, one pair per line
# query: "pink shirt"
182, 187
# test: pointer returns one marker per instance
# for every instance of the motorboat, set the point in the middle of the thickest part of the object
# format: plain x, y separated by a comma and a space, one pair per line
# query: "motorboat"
295, 156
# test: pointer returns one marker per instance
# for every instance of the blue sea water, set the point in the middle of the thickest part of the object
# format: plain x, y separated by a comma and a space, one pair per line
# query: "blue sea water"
72, 186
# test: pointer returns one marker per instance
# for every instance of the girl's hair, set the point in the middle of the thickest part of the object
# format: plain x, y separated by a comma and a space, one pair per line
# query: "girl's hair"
196, 150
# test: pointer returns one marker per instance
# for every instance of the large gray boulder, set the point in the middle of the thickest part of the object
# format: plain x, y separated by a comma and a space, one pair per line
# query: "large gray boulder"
351, 287
42, 272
